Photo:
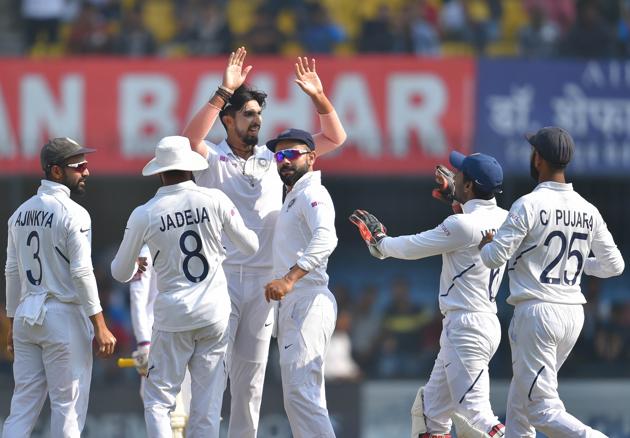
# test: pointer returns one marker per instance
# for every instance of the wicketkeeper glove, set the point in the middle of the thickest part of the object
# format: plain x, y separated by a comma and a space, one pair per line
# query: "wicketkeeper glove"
445, 191
371, 229
141, 358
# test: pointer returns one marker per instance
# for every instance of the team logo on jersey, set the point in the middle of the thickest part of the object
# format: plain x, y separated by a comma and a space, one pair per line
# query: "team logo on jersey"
222, 158
314, 204
262, 162
291, 202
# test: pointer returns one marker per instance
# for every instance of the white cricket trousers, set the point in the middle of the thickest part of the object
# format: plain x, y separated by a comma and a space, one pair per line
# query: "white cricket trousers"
541, 337
250, 329
53, 358
306, 323
201, 350
459, 380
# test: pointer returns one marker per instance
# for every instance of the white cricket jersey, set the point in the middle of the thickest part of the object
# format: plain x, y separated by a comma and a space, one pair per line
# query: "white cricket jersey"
49, 244
465, 283
305, 231
255, 188
547, 238
182, 227
142, 293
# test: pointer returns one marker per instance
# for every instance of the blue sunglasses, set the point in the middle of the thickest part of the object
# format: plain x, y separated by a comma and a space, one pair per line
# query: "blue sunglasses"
289, 154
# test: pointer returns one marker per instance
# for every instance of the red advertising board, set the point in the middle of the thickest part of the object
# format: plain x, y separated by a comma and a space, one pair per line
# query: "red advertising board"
402, 114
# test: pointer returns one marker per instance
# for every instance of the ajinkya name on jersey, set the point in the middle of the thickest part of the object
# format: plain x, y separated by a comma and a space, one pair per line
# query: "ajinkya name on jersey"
186, 217
35, 218
568, 218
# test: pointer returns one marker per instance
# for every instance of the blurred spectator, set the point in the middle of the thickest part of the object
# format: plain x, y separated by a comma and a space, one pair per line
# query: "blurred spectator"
264, 38
339, 362
559, 12
589, 37
205, 31
453, 20
42, 18
90, 33
377, 34
318, 33
135, 39
424, 36
612, 340
342, 296
539, 38
623, 29
483, 22
403, 324
5, 358
366, 325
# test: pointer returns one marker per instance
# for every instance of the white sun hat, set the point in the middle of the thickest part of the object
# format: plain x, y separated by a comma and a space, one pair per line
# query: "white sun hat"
174, 153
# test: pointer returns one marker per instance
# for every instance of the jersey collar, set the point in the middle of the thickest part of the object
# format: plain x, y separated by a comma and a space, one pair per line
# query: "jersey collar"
475, 204
227, 150
179, 186
309, 178
552, 185
52, 187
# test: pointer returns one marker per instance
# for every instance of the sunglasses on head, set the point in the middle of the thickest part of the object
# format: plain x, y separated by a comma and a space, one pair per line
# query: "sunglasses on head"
79, 167
289, 154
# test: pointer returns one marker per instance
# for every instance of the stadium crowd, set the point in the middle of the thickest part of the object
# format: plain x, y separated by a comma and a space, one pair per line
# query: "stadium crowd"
167, 28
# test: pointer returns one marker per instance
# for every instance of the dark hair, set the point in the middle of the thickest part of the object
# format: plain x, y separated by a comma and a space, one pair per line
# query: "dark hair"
241, 96
477, 190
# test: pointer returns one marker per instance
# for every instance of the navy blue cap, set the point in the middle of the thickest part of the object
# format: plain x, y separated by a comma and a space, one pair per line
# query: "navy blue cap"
292, 134
554, 144
483, 169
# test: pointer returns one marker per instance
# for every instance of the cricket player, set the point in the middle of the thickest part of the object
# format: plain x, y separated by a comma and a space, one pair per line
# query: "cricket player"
245, 172
547, 240
142, 292
182, 226
459, 386
304, 238
51, 292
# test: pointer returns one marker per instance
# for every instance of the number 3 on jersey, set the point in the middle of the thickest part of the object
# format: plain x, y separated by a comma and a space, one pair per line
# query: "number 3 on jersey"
573, 253
194, 253
29, 274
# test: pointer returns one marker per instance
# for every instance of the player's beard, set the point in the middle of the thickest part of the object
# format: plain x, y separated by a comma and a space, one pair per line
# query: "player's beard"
532, 169
291, 178
248, 138
75, 187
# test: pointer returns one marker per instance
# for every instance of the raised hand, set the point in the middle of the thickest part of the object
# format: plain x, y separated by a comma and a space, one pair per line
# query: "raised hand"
235, 74
306, 77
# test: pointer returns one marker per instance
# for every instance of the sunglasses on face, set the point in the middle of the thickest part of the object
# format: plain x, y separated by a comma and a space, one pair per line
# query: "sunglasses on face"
79, 167
289, 154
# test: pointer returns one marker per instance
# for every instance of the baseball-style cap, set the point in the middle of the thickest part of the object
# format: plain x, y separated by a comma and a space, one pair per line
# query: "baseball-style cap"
57, 150
554, 144
292, 134
483, 169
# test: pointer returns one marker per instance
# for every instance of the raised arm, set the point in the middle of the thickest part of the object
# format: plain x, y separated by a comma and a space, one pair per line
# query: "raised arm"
332, 134
233, 77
